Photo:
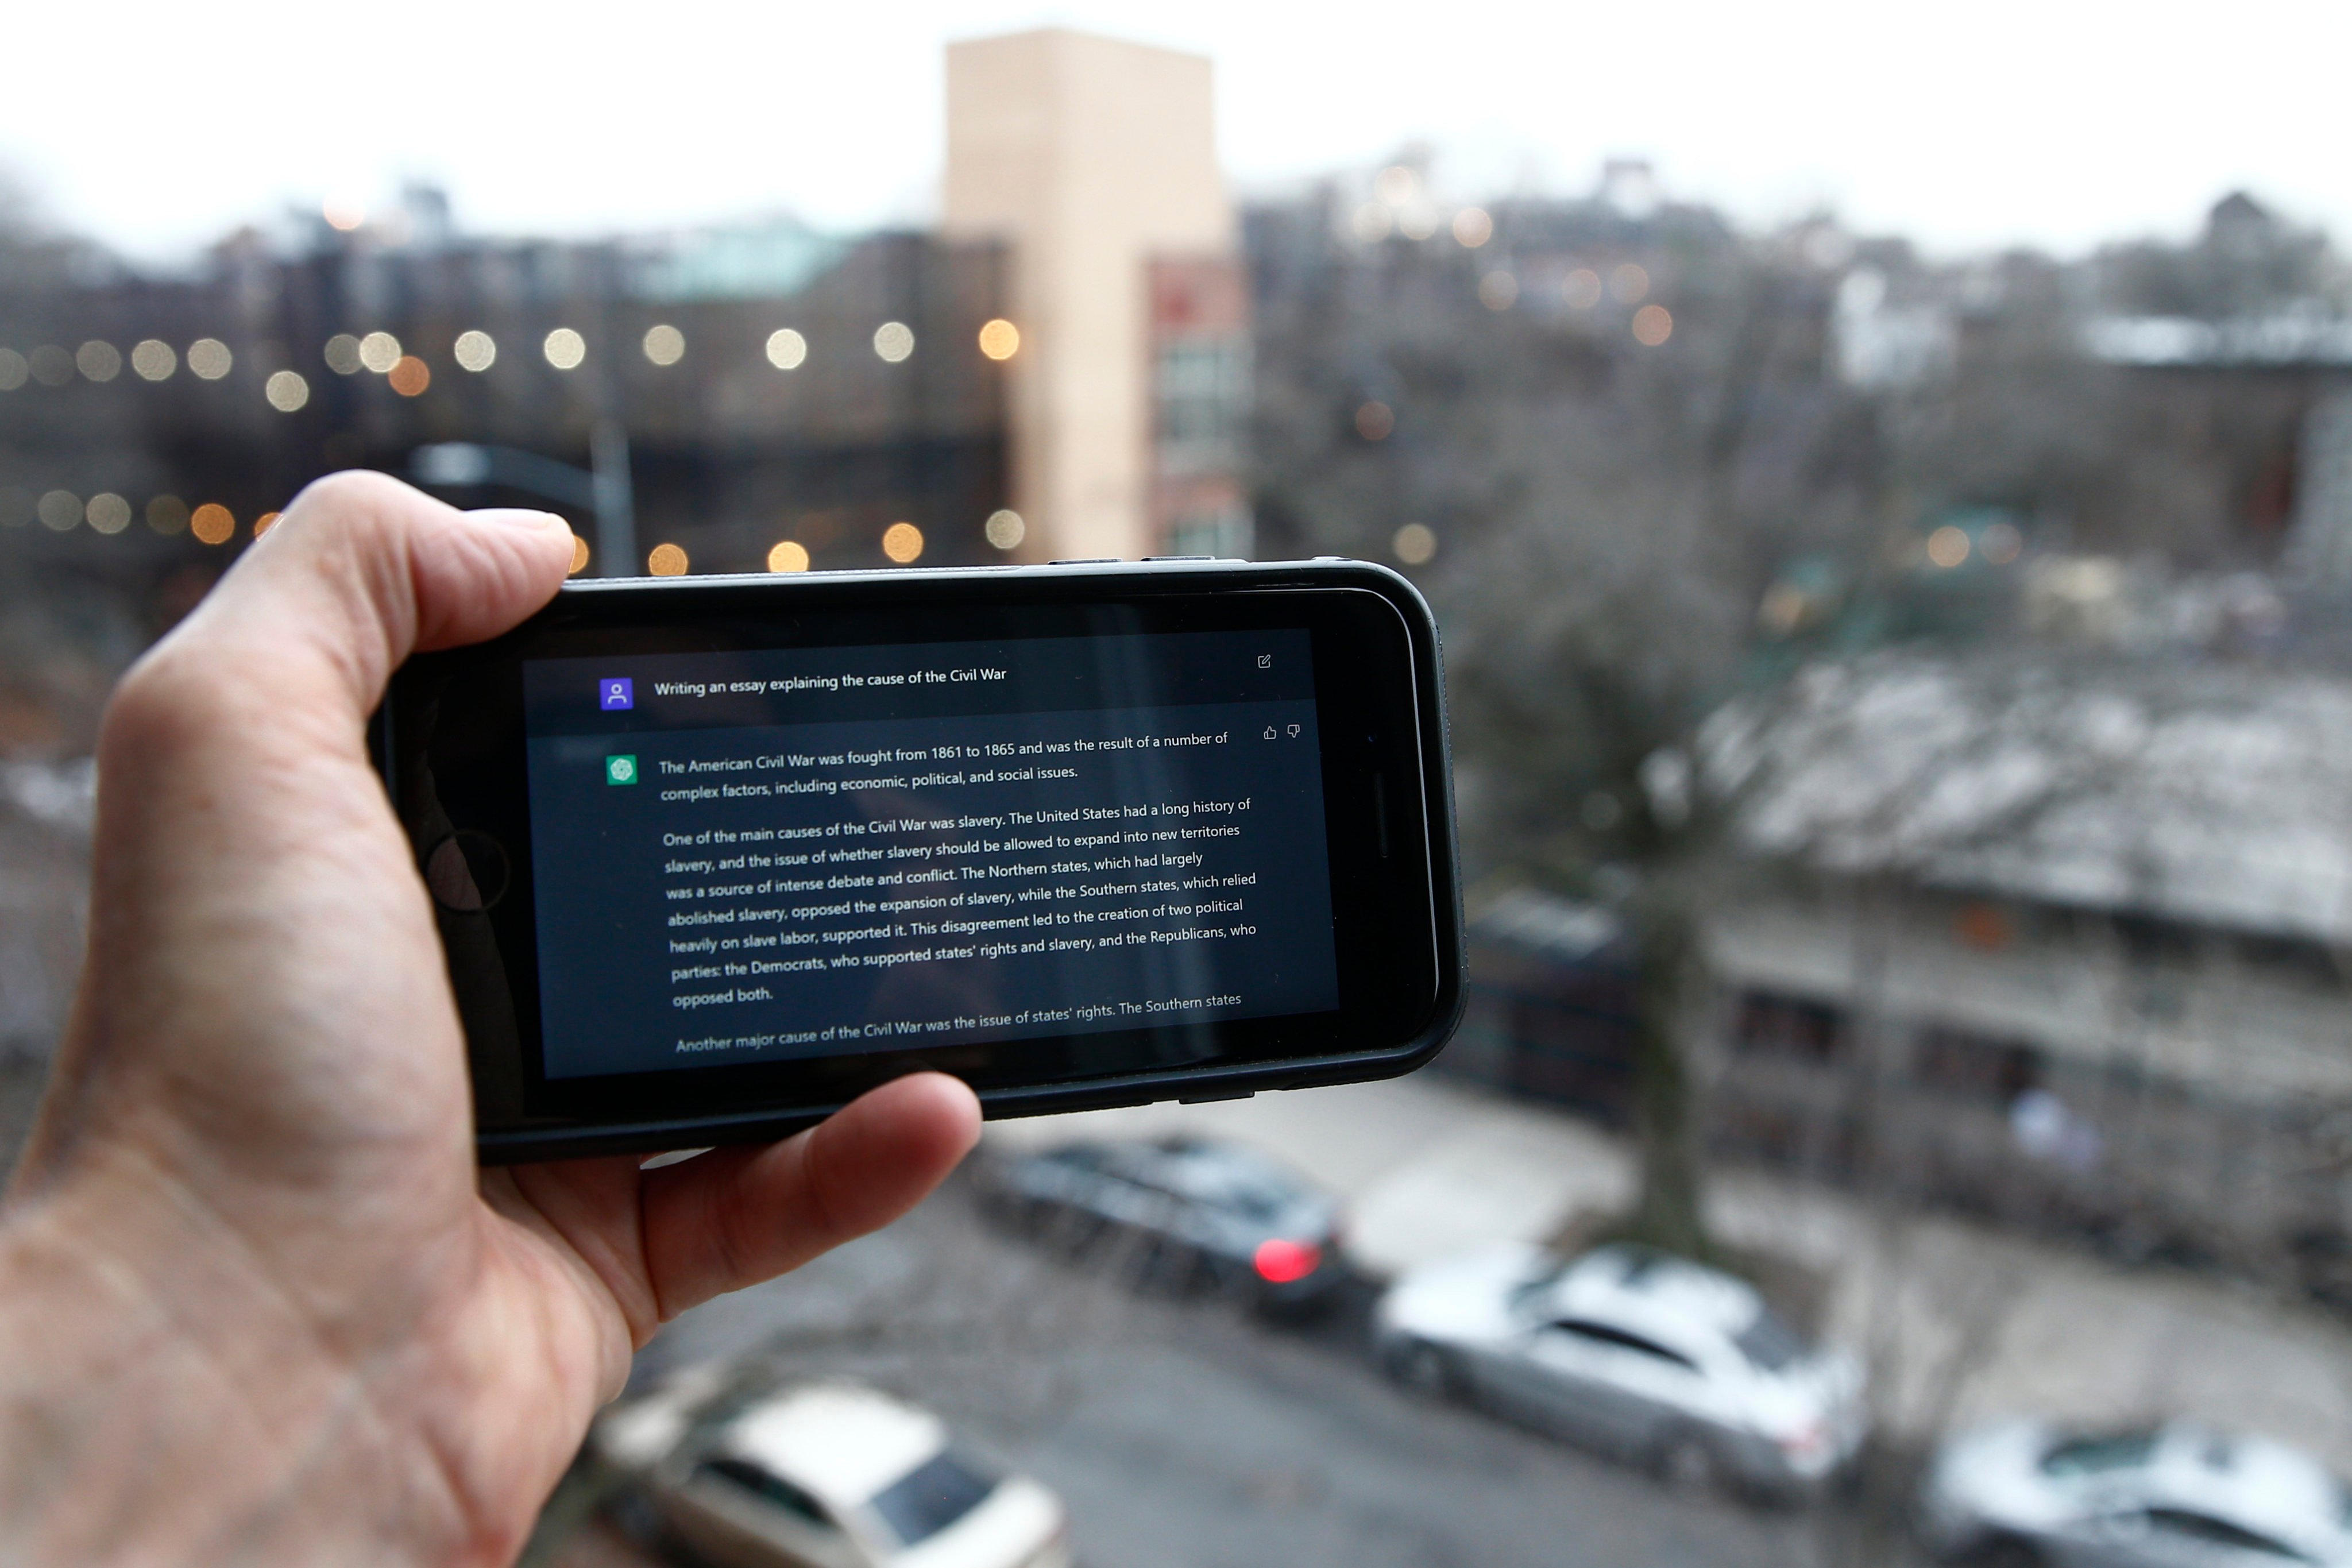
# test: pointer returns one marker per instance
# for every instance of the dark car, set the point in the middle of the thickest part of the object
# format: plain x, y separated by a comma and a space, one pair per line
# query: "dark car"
1180, 1213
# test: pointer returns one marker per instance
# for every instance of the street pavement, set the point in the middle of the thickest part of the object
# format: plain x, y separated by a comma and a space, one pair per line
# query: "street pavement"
1186, 1432
1189, 1433
1960, 1322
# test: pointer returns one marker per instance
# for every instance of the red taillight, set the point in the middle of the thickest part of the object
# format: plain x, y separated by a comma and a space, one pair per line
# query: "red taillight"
1278, 1262
1801, 1441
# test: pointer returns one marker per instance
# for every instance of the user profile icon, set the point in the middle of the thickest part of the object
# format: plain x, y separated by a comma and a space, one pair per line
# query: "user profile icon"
616, 691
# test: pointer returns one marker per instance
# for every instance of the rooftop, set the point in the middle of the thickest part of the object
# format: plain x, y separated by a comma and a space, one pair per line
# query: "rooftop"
2212, 795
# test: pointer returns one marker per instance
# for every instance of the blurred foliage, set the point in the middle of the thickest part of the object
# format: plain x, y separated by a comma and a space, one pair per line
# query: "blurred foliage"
1628, 533
2246, 262
1607, 512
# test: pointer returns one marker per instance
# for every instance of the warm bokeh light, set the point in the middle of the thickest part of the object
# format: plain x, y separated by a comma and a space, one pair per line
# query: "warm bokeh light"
664, 345
1498, 290
667, 560
343, 214
154, 360
564, 349
1415, 543
579, 556
788, 556
476, 351
1629, 283
894, 341
1004, 529
1473, 227
264, 522
2001, 543
209, 358
999, 339
59, 509
343, 354
167, 515
1417, 222
1396, 185
1653, 325
786, 349
108, 512
99, 361
1783, 608
14, 371
1374, 421
1372, 222
410, 376
1948, 546
287, 390
902, 543
212, 523
52, 366
380, 351
1581, 288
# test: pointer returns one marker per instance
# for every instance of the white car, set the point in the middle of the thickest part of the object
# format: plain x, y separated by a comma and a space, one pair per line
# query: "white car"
2027, 1493
1673, 1364
822, 1475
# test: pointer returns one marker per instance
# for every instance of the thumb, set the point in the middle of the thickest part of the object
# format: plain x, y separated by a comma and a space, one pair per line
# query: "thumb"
362, 572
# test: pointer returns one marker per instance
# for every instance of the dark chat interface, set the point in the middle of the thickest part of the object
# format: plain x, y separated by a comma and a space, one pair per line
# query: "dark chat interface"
747, 857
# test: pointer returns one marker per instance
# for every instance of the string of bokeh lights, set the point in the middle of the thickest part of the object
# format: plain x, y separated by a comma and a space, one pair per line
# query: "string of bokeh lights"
564, 349
1402, 206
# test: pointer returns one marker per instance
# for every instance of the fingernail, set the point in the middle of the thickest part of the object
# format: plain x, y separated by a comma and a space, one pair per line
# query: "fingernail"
519, 516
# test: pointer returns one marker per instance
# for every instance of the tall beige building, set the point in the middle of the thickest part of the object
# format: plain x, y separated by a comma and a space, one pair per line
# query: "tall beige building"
1096, 161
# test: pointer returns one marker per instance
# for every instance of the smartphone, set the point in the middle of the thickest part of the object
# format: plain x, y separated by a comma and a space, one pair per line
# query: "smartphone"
712, 856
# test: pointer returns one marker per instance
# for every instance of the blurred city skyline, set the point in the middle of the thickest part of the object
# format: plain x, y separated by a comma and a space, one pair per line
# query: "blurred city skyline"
155, 130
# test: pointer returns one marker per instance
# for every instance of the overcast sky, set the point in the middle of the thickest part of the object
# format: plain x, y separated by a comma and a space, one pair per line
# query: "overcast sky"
157, 127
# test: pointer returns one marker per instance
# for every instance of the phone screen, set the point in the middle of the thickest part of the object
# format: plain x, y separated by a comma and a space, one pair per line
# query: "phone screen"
747, 857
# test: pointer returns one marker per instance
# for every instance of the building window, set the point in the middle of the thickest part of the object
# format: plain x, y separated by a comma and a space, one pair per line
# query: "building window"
1201, 384
1770, 1024
1958, 1062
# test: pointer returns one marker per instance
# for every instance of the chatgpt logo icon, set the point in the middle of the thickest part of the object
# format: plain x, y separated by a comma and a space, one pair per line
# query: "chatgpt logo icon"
620, 769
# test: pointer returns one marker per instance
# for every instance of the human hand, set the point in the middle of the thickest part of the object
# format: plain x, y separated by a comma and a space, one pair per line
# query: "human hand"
257, 1301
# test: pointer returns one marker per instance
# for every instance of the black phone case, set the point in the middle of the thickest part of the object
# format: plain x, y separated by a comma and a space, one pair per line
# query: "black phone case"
1186, 1084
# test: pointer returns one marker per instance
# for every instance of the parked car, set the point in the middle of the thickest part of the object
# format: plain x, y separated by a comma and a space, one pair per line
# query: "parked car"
1645, 1354
1185, 1211
2027, 1494
820, 1475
